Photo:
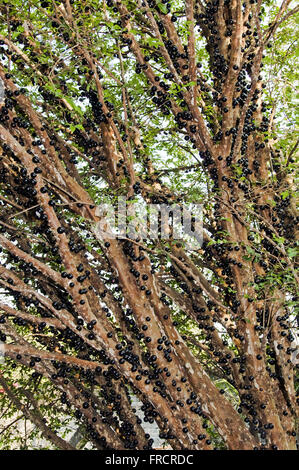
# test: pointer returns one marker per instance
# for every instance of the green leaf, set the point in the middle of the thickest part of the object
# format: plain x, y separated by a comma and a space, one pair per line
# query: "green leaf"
285, 194
163, 8
73, 127
293, 252
74, 106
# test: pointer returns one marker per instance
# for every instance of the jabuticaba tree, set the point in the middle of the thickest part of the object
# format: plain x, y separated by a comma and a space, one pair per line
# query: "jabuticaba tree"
170, 102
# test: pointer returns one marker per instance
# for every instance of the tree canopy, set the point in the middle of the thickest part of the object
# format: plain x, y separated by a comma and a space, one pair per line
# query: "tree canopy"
165, 103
